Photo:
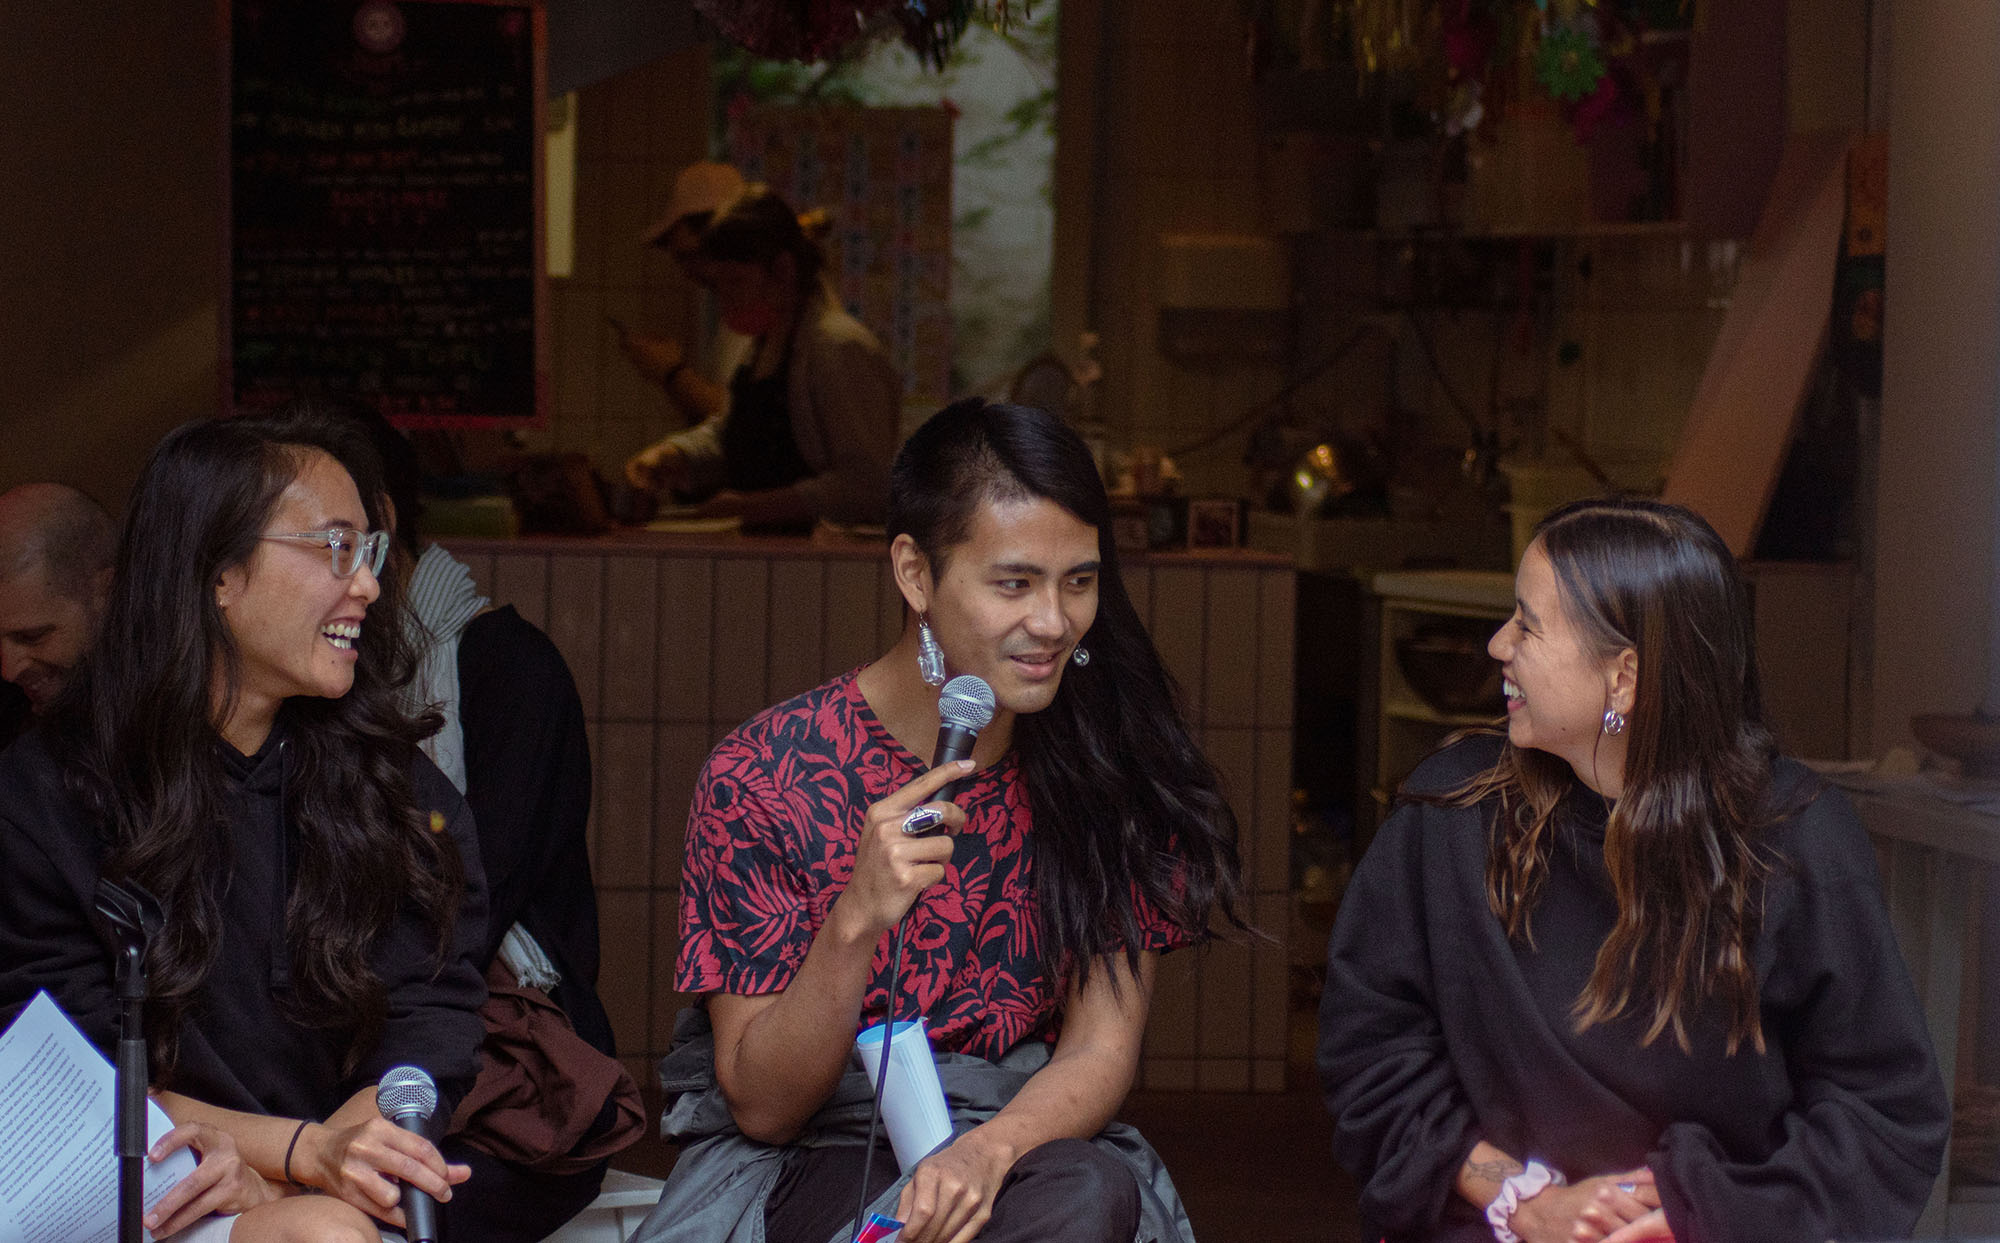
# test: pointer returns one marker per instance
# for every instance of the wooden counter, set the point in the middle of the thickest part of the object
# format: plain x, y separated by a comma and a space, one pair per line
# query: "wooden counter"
676, 639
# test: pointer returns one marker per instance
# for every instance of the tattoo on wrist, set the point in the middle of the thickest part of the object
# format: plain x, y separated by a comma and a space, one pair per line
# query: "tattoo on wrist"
1494, 1171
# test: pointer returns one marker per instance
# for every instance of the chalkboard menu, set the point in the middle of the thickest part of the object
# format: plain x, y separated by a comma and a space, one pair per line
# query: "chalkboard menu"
386, 239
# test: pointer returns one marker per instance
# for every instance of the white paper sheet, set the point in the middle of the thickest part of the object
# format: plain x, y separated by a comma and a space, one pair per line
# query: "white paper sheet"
58, 1173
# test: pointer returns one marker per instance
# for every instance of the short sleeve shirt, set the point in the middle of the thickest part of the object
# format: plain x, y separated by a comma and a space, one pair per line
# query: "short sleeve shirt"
770, 845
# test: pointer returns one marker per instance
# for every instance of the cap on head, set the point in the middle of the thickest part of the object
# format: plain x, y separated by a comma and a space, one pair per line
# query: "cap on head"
700, 188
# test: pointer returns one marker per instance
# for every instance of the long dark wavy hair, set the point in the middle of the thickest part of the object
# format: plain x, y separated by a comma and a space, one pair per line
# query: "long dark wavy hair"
1682, 846
1123, 798
141, 748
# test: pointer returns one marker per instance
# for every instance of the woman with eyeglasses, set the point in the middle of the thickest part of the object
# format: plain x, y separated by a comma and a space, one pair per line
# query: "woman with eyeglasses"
236, 745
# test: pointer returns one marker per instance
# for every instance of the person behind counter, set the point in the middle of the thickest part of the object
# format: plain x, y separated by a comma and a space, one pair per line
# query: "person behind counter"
810, 424
236, 743
700, 190
1622, 972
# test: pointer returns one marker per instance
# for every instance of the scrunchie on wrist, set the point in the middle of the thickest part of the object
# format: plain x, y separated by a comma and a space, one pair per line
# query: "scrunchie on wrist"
1515, 1190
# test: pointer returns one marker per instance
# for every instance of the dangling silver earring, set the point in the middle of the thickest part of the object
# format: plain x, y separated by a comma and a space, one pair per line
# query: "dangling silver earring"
1079, 656
1614, 722
930, 657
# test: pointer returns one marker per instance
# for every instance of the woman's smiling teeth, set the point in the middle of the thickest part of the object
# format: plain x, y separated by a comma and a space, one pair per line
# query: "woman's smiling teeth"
341, 634
1508, 688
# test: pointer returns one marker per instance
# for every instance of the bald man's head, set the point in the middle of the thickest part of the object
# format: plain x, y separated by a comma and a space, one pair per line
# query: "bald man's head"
56, 546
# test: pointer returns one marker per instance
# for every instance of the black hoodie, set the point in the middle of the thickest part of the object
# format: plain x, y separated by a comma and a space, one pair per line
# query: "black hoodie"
237, 1049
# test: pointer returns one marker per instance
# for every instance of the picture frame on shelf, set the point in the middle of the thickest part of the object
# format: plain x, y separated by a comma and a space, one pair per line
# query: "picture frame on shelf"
1215, 522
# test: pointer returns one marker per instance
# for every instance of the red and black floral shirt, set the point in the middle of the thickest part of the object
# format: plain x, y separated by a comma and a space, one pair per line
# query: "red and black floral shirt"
770, 845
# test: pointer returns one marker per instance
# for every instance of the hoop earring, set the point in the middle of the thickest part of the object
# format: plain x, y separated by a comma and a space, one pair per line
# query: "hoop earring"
1079, 656
930, 657
1614, 722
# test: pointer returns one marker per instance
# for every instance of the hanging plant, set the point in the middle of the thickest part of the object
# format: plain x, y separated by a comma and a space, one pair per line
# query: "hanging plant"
1568, 63
818, 30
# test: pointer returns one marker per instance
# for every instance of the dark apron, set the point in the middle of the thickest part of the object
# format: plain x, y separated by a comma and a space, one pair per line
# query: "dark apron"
758, 452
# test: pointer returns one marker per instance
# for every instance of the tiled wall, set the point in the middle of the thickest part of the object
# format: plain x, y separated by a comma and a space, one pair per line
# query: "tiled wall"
674, 645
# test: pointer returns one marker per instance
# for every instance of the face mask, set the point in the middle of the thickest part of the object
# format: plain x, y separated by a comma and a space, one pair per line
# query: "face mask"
752, 319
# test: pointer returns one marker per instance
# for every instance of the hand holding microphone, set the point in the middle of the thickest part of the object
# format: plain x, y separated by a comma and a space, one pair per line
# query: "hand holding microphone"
906, 838
407, 1097
362, 1156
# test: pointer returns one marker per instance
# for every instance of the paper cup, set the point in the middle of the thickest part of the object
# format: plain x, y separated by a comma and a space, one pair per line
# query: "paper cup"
913, 1107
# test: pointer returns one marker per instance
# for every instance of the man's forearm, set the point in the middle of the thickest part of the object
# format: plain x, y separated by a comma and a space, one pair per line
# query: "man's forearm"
1095, 1060
779, 1056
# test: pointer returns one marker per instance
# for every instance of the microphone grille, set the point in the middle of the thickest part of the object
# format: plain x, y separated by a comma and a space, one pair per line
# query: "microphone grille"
406, 1092
967, 702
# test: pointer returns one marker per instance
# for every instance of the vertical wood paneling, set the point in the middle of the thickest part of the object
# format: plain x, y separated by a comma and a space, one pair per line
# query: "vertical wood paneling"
1218, 1074
1171, 1030
1225, 1000
631, 637
576, 623
1277, 625
624, 796
522, 580
1272, 825
1231, 652
852, 608
480, 566
1168, 1074
1269, 982
683, 748
1179, 605
798, 624
742, 627
686, 654
625, 970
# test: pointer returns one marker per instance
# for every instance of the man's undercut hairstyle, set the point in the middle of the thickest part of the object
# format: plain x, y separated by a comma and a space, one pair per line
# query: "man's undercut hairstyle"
72, 542
1127, 809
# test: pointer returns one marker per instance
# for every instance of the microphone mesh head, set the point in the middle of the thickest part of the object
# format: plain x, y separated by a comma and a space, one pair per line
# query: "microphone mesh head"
967, 702
406, 1092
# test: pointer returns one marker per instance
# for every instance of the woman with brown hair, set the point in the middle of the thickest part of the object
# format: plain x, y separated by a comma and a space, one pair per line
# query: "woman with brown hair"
1623, 972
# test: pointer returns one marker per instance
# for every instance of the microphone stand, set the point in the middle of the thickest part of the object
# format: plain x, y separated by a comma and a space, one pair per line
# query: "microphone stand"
134, 918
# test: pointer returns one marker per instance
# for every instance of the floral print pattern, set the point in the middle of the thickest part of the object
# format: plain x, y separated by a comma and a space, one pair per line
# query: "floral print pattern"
770, 845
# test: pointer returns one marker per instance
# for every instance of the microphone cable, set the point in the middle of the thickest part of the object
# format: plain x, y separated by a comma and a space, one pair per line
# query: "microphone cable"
882, 1071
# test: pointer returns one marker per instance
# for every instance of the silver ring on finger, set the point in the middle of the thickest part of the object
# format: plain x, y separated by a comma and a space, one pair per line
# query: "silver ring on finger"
1627, 1188
921, 821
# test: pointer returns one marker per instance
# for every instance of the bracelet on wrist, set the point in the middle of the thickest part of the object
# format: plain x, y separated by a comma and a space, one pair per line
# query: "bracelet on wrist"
291, 1148
1515, 1190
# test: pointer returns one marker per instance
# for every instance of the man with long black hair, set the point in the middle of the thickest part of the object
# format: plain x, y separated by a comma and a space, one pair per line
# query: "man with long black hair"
1090, 836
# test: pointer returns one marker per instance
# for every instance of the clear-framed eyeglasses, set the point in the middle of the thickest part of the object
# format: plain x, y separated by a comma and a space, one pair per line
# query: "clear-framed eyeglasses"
348, 548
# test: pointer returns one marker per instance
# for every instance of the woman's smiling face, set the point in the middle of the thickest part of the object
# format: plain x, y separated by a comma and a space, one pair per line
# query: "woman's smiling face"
1558, 684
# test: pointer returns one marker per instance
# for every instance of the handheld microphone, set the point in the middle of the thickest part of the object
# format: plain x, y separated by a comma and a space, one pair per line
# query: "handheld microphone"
407, 1096
965, 708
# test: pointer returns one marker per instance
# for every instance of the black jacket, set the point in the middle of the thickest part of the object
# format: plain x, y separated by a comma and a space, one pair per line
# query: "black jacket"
1437, 1031
237, 1049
